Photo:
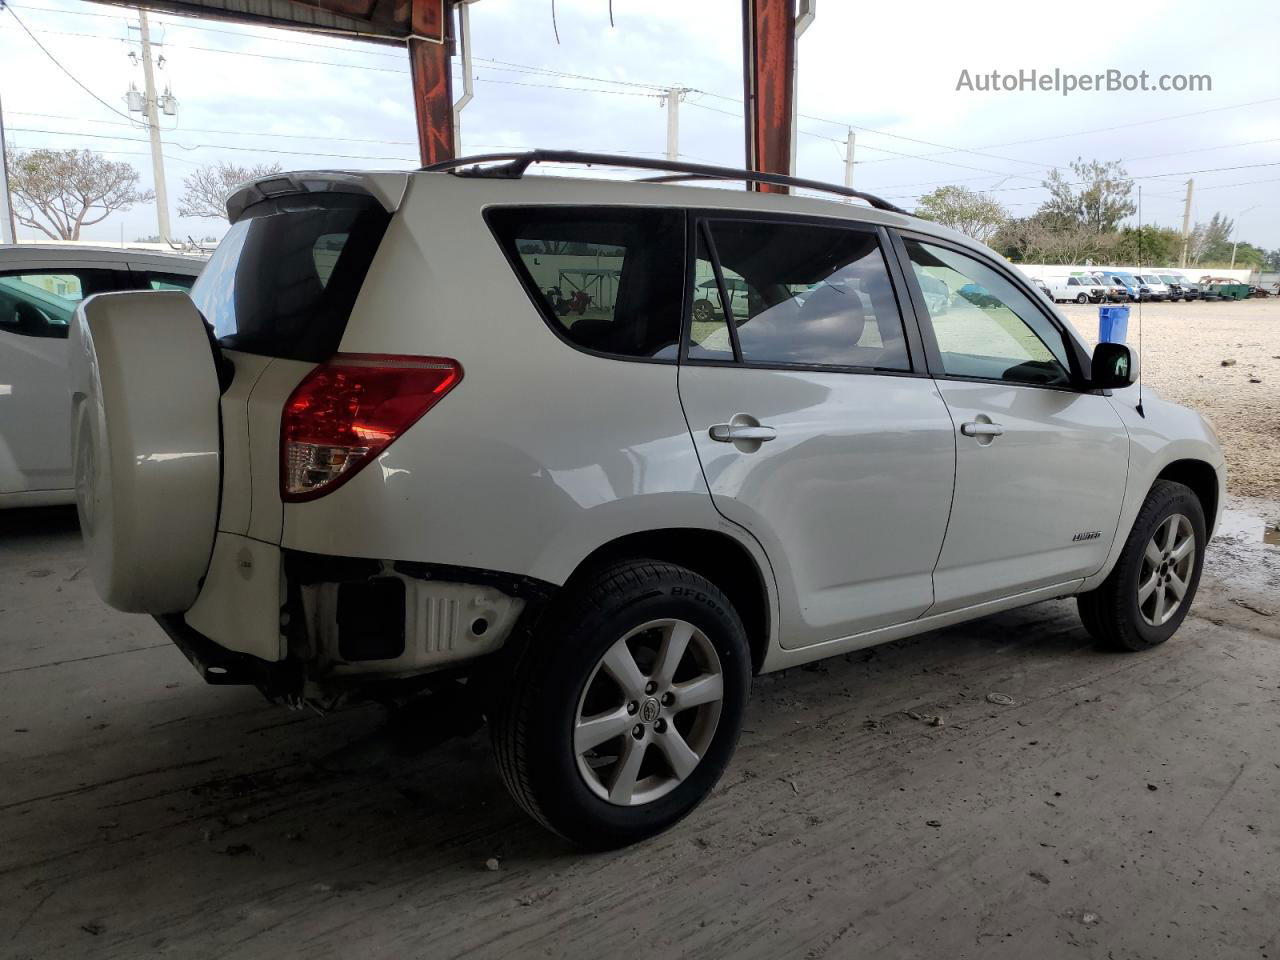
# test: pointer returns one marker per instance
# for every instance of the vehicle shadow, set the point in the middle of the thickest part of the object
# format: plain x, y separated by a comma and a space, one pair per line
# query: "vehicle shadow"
38, 522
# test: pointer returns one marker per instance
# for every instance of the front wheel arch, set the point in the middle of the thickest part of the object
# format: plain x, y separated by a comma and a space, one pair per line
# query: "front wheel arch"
1202, 479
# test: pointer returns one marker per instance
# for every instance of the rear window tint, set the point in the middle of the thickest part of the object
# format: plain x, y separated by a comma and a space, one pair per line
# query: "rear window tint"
608, 281
284, 279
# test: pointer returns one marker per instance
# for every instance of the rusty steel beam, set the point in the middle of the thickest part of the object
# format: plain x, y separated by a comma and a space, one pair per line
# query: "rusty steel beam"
430, 53
768, 58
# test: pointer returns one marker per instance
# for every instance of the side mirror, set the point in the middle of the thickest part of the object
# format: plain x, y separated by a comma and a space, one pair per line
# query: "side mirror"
1114, 366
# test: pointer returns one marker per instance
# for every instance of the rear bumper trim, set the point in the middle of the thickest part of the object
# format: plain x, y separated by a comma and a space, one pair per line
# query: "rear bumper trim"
220, 666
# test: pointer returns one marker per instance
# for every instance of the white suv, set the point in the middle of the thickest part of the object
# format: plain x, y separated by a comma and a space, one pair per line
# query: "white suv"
397, 462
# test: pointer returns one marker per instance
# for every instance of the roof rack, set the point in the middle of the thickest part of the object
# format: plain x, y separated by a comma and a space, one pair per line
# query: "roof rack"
517, 162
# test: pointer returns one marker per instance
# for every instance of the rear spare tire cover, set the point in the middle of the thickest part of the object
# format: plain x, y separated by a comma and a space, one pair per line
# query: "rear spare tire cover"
146, 447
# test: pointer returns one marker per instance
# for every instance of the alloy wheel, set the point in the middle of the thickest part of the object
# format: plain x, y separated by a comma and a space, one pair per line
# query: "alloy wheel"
1167, 565
648, 712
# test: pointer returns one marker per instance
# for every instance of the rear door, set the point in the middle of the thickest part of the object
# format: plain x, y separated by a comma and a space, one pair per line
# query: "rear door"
1040, 463
37, 304
278, 293
817, 429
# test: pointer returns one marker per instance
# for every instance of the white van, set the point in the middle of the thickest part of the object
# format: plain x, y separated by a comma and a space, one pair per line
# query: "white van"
1076, 289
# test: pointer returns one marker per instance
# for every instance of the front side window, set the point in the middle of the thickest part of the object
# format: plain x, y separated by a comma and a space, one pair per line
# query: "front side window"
41, 304
606, 280
987, 328
797, 295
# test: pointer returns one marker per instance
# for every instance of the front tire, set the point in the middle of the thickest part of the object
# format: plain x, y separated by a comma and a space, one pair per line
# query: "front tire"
1082, 298
1145, 598
625, 708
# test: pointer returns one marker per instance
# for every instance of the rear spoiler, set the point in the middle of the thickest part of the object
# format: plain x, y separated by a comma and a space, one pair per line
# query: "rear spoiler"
387, 188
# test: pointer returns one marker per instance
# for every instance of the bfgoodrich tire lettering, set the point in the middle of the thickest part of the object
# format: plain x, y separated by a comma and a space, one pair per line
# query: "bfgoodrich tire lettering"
536, 724
1123, 613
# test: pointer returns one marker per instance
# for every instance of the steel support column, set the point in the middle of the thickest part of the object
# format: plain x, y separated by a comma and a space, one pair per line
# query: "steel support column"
430, 53
768, 58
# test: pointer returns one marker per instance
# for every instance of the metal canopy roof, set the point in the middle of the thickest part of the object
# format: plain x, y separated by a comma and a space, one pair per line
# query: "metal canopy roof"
386, 20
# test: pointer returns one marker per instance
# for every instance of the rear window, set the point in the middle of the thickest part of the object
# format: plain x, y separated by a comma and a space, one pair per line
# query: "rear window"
608, 281
284, 279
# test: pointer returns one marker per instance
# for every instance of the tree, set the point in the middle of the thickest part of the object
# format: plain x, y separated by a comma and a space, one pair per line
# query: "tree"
58, 192
974, 214
1159, 246
1211, 242
204, 193
1045, 238
1096, 198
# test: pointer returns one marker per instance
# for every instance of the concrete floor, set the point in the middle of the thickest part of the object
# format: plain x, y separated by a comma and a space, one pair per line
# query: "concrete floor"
1123, 807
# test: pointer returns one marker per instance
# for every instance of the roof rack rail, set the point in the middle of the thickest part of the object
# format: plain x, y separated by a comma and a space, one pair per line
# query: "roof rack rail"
517, 162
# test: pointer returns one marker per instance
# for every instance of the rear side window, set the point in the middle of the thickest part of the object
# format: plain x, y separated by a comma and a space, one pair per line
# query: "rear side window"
164, 281
797, 294
42, 303
285, 277
608, 281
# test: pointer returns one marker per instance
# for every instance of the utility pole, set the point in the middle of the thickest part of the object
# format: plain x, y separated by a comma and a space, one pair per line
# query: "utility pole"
153, 128
8, 231
1235, 234
1186, 225
849, 142
673, 122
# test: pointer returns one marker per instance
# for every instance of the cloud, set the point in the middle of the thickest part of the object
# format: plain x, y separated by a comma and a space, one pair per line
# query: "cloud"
887, 68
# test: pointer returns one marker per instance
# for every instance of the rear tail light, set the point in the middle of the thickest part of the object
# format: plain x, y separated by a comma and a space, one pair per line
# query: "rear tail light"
348, 410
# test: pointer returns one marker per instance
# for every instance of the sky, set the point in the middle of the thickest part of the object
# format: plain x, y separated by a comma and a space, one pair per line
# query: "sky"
890, 71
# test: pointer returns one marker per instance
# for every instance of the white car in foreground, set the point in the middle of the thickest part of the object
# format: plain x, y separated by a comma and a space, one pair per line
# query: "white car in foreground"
40, 287
395, 465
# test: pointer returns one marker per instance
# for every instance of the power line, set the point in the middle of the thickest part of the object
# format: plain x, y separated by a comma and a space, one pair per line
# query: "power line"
1145, 176
549, 72
58, 64
231, 133
217, 146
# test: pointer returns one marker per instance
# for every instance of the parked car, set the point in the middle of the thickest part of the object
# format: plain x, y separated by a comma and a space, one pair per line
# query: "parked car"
1156, 287
413, 472
1134, 288
40, 286
1075, 289
1113, 290
1179, 287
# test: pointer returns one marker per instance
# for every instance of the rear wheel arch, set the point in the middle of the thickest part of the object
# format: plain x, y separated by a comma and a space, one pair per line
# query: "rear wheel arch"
712, 554
1202, 479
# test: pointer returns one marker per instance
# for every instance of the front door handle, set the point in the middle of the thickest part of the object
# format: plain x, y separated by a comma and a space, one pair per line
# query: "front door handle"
976, 429
730, 432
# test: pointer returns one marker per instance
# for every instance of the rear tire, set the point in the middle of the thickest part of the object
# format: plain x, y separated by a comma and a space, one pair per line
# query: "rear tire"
1145, 598
626, 706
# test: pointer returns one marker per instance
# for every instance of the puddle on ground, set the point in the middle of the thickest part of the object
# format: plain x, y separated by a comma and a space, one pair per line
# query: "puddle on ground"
1247, 527
1245, 552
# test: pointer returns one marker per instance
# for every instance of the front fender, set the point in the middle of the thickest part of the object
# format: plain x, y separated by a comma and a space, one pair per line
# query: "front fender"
1166, 434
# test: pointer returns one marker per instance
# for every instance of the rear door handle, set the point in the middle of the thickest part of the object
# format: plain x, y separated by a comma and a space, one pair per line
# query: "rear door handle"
729, 432
975, 429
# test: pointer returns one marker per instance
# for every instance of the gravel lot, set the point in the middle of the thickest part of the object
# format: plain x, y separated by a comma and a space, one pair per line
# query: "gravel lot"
1183, 347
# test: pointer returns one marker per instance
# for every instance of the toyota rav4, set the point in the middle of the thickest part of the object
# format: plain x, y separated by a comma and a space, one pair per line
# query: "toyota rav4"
372, 456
